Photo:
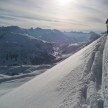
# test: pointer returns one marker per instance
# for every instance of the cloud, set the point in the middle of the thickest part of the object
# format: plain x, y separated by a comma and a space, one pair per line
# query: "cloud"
49, 13
7, 18
105, 1
94, 19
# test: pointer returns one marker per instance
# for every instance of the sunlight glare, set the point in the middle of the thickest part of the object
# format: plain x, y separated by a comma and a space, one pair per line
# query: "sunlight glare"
63, 2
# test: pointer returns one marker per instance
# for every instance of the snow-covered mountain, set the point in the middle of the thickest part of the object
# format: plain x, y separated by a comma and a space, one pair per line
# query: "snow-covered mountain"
53, 36
20, 49
82, 37
76, 82
48, 35
20, 46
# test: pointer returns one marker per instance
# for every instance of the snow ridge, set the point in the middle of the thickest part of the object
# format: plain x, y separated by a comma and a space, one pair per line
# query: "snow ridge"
105, 74
89, 86
74, 83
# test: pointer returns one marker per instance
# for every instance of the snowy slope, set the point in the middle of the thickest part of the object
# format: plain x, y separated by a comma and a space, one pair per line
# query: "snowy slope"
70, 84
105, 74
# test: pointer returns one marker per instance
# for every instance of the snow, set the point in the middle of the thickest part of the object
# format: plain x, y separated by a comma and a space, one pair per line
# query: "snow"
8, 86
105, 74
70, 84
22, 74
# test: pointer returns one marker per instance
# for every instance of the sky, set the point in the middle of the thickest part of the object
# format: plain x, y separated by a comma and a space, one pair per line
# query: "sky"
66, 15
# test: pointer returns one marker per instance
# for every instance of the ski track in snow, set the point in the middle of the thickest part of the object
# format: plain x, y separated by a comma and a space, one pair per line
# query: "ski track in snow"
82, 85
73, 83
105, 75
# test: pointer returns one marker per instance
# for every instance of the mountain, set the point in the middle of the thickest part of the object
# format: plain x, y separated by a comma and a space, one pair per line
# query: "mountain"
80, 81
82, 37
94, 36
53, 36
23, 49
48, 35
19, 46
71, 48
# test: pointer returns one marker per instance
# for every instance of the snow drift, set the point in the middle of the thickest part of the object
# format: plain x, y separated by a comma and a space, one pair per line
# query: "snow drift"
105, 74
74, 83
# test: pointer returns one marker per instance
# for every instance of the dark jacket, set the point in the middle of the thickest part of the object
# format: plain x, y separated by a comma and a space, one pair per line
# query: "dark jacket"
107, 21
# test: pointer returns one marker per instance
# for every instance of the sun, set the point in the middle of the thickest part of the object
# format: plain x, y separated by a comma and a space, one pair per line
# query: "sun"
63, 2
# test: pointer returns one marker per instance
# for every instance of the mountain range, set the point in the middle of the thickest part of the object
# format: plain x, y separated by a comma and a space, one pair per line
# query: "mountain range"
19, 46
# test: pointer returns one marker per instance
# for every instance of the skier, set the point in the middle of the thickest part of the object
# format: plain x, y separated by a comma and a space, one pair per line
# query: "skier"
107, 25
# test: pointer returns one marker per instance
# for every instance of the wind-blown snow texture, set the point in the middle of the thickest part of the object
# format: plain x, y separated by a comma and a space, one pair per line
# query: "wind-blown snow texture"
105, 74
73, 83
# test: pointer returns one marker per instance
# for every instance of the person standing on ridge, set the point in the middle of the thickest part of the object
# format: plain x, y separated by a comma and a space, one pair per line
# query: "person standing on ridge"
107, 25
